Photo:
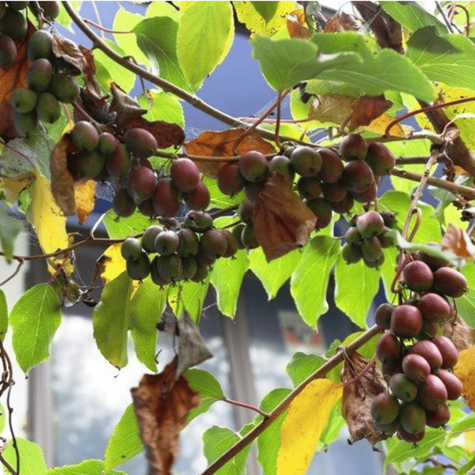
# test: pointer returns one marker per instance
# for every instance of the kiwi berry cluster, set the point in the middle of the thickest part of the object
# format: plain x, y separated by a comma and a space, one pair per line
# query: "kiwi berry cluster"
184, 252
416, 360
367, 237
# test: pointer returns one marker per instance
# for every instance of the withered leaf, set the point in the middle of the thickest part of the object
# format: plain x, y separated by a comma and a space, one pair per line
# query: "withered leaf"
192, 349
162, 405
458, 242
340, 21
366, 109
12, 78
282, 221
460, 333
297, 25
222, 144
68, 51
62, 182
126, 108
363, 381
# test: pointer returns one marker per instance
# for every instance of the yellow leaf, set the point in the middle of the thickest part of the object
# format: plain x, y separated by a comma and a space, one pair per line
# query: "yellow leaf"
248, 15
303, 426
113, 263
13, 186
49, 222
465, 371
85, 197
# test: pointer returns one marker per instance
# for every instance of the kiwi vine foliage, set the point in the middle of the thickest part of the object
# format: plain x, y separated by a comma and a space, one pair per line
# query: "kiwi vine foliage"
352, 76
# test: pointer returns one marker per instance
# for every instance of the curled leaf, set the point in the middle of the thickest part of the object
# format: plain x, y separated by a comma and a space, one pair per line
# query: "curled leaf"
363, 382
465, 371
70, 53
458, 242
340, 21
85, 198
460, 333
297, 25
222, 144
162, 405
281, 220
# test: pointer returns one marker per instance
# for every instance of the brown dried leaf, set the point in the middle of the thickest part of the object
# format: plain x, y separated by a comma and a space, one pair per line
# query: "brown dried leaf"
161, 405
366, 109
340, 21
221, 144
281, 220
166, 135
297, 25
85, 198
62, 182
458, 242
12, 78
460, 333
363, 382
126, 108
69, 52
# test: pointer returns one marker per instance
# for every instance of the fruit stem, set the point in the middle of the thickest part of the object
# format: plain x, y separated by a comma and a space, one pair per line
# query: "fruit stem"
103, 28
321, 372
223, 211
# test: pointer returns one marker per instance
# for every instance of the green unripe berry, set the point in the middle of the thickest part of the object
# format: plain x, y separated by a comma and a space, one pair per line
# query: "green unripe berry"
84, 135
23, 100
39, 75
8, 51
25, 123
64, 88
13, 24
149, 236
40, 45
107, 143
48, 108
139, 269
89, 164
131, 249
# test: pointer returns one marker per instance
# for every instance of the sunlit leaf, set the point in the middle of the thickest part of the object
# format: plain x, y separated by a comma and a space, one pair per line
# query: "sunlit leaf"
112, 263
32, 459
3, 316
87, 467
85, 196
465, 371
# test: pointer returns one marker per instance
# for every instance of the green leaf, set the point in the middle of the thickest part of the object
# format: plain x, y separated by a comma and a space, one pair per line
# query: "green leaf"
275, 273
412, 16
355, 288
34, 320
111, 319
218, 199
119, 228
64, 19
466, 303
449, 58
266, 9
218, 440
157, 38
205, 36
268, 443
146, 308
3, 315
388, 271
309, 282
32, 459
189, 296
125, 443
165, 106
399, 202
9, 230
226, 278
301, 366
87, 467
3, 418
207, 386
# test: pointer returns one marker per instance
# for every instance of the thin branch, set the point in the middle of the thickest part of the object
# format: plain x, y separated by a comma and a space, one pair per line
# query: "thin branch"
439, 183
8, 279
106, 30
444, 17
5, 463
246, 406
222, 211
265, 423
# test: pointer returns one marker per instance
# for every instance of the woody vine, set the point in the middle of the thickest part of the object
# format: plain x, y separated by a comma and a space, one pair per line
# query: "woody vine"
190, 213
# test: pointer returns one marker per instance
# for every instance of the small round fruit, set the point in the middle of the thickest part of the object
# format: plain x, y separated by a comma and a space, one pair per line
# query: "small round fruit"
384, 408
418, 276
353, 147
432, 261
435, 308
246, 211
374, 264
166, 243
139, 269
199, 199
369, 224
332, 166
452, 384
385, 239
119, 162
353, 236
371, 250
189, 243
351, 253
306, 161
237, 233
198, 221
249, 238
89, 164
406, 321
412, 438
166, 198
429, 351
64, 88
8, 51
107, 143
141, 184
358, 176
388, 348
23, 99
252, 190
334, 192
213, 244
343, 206
416, 368
190, 266
13, 24
201, 273
382, 316
432, 393
322, 210
450, 282
232, 244
389, 218
412, 417
388, 429
48, 108
140, 142
17, 5
309, 187
50, 9
170, 267
123, 204
40, 75
402, 387
429, 330
131, 249
184, 174
253, 166
448, 350
157, 279
438, 418
282, 164
148, 238
85, 136
25, 123
146, 208
229, 179
40, 45
366, 196
380, 159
